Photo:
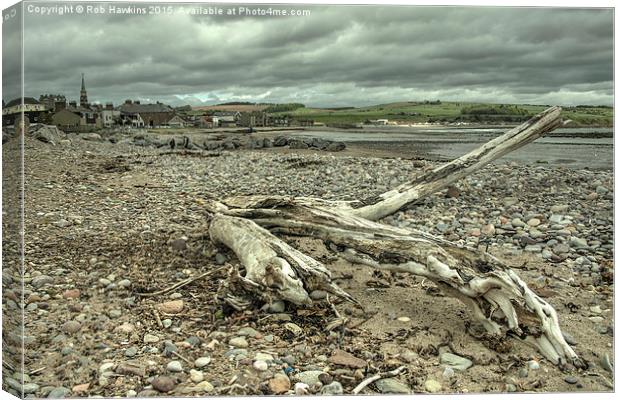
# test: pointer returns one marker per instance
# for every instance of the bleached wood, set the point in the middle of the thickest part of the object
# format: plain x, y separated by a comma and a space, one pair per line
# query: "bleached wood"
498, 298
444, 175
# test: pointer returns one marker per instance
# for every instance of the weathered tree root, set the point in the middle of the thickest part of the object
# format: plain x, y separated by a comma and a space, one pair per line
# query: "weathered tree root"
498, 298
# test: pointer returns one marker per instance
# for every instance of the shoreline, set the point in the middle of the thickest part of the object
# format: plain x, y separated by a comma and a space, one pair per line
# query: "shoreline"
124, 221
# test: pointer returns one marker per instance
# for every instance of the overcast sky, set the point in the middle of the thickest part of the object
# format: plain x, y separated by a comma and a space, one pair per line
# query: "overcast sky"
336, 56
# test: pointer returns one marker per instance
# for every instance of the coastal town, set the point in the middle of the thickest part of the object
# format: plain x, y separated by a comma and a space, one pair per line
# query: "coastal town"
84, 116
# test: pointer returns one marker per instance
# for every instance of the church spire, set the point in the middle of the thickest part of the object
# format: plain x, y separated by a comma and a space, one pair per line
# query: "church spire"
83, 95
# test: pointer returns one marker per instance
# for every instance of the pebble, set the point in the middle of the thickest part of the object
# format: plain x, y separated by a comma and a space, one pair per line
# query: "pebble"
163, 384
202, 362
310, 378
533, 364
58, 393
293, 328
196, 376
301, 389
125, 328
341, 357
276, 307
239, 342
171, 307
71, 327
456, 362
30, 388
260, 365
174, 366
41, 280
318, 295
279, 384
432, 386
263, 357
570, 379
391, 385
124, 284
403, 319
332, 389
81, 388
578, 243
204, 386
488, 230
247, 331
150, 338
131, 352
179, 244
533, 222
106, 367
448, 373
220, 259
71, 294
569, 338
289, 359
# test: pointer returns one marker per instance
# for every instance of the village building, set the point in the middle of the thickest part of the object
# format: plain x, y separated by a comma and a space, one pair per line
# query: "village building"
67, 120
53, 102
31, 107
110, 116
145, 115
280, 120
206, 121
225, 119
304, 122
177, 122
253, 118
76, 118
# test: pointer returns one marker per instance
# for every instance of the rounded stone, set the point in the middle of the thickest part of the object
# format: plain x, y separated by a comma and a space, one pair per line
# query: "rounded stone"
202, 362
71, 326
196, 376
260, 365
175, 366
150, 338
163, 384
333, 388
279, 384
239, 342
570, 379
432, 386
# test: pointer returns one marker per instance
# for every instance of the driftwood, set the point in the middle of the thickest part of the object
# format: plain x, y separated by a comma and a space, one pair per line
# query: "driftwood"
271, 269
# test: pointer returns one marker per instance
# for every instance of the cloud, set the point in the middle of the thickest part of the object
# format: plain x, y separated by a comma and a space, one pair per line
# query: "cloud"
336, 56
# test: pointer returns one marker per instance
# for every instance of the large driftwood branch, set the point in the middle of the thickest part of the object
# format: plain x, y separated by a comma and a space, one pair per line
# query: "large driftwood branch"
441, 177
498, 298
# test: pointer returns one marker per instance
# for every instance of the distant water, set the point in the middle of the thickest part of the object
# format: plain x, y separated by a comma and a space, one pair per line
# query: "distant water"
572, 148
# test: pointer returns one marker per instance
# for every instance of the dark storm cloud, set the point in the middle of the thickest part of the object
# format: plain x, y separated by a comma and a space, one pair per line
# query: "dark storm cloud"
336, 56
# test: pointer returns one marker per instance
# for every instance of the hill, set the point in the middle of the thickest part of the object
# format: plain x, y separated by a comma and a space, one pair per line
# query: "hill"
451, 112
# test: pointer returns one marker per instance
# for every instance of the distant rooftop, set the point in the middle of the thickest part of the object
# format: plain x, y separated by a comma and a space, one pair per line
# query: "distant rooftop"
18, 101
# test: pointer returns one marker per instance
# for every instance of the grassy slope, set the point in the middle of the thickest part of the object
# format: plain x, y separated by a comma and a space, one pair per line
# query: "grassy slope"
413, 112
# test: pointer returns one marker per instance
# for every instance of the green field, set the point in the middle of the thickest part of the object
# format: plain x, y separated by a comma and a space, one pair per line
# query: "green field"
451, 112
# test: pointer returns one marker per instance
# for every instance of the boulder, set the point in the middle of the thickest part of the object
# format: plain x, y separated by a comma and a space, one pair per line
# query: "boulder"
93, 137
336, 146
297, 144
280, 141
